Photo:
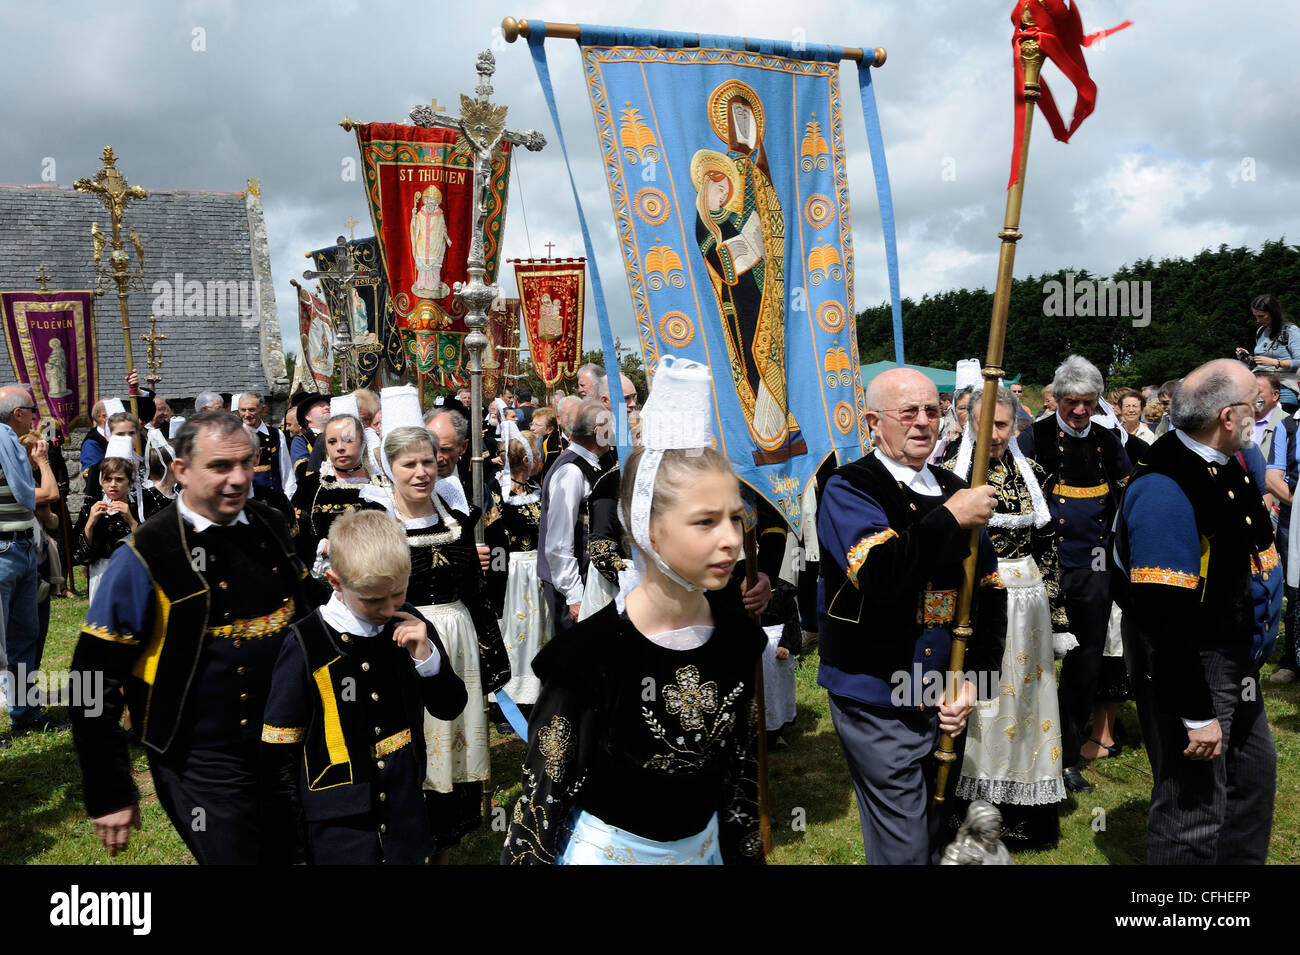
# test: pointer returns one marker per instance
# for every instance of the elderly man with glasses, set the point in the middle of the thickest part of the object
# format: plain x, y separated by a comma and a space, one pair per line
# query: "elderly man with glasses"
894, 532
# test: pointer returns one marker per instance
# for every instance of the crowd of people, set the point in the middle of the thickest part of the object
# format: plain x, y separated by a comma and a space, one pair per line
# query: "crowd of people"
312, 645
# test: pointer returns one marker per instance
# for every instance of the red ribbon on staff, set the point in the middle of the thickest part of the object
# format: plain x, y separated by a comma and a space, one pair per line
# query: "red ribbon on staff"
1059, 32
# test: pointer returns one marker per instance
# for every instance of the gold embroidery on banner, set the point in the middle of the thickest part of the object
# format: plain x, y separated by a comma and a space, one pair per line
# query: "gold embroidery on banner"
688, 700
1161, 575
555, 742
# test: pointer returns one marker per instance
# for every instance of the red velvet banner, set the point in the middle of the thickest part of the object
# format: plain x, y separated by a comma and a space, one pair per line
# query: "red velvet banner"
420, 185
317, 334
551, 298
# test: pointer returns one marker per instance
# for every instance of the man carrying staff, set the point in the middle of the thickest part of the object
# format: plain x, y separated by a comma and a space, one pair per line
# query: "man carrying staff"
893, 532
1204, 598
189, 621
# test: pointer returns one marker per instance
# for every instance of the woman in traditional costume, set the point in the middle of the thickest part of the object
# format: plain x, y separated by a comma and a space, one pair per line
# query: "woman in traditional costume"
1013, 748
447, 587
511, 527
322, 496
644, 738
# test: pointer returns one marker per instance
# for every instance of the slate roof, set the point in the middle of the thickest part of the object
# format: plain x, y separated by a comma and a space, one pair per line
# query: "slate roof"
204, 236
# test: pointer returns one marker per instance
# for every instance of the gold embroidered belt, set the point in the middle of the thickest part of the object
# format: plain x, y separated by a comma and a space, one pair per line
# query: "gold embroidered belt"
1164, 575
393, 743
256, 626
1267, 560
1066, 490
936, 607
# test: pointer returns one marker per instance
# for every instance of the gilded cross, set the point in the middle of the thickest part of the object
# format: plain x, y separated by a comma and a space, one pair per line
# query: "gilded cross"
43, 278
153, 354
549, 247
351, 224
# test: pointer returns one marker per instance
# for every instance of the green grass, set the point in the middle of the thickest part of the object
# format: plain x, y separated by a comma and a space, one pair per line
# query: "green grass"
815, 817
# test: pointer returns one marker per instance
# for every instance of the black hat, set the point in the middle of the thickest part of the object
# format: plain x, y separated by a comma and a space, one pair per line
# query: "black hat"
307, 404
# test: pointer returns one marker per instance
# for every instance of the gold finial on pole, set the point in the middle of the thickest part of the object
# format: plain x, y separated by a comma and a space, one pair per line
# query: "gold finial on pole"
1031, 59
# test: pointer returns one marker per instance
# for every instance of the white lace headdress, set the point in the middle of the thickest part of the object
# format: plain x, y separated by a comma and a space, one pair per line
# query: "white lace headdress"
678, 415
399, 408
510, 432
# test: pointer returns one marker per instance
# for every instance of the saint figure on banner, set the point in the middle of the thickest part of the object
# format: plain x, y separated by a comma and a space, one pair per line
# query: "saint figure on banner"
550, 323
56, 371
429, 243
740, 228
320, 348
360, 318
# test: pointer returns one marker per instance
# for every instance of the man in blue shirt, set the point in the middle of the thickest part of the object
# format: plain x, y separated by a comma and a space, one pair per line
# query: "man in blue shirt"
20, 640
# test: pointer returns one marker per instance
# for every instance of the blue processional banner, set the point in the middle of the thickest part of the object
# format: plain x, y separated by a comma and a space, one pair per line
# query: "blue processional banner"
726, 171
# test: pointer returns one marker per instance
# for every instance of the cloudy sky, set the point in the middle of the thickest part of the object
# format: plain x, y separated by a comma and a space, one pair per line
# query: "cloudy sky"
1193, 142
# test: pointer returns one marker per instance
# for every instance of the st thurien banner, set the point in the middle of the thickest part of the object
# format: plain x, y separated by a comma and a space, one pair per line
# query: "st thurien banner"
420, 186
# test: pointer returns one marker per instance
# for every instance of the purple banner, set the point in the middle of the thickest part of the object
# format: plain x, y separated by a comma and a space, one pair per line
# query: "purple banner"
51, 342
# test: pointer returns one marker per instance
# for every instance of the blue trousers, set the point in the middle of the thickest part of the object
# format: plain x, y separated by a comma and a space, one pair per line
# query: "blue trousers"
21, 638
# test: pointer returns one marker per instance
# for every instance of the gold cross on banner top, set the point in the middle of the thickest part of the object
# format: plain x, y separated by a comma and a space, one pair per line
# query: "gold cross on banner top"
549, 246
351, 224
433, 105
43, 278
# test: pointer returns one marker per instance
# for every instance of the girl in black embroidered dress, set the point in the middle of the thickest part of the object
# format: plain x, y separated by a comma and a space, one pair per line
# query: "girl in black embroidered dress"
644, 736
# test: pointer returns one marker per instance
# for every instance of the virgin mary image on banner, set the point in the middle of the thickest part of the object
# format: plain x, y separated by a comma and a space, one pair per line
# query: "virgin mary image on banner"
429, 243
740, 228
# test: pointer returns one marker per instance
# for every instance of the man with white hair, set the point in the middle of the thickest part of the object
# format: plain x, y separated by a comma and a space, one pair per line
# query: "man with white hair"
1199, 620
208, 401
593, 382
274, 468
1086, 469
894, 532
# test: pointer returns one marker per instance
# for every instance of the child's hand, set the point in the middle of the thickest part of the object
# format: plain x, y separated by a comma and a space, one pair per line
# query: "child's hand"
413, 635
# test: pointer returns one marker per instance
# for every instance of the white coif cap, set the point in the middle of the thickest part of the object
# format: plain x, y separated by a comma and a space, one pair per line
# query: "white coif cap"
678, 415
400, 407
121, 446
679, 411
345, 404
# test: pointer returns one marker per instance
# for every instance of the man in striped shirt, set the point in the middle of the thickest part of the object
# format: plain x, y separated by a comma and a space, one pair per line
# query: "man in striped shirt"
20, 644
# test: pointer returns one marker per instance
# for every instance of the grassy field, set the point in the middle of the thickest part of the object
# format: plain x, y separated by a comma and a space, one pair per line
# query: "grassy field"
815, 819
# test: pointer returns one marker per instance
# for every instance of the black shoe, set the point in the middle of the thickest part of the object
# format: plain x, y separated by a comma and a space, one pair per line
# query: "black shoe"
1075, 782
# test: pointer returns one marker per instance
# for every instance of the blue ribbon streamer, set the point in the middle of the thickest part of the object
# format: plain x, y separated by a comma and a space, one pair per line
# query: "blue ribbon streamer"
878, 165
511, 712
536, 41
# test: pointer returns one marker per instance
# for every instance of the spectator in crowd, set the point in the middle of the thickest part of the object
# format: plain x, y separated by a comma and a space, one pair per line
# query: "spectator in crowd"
1277, 347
